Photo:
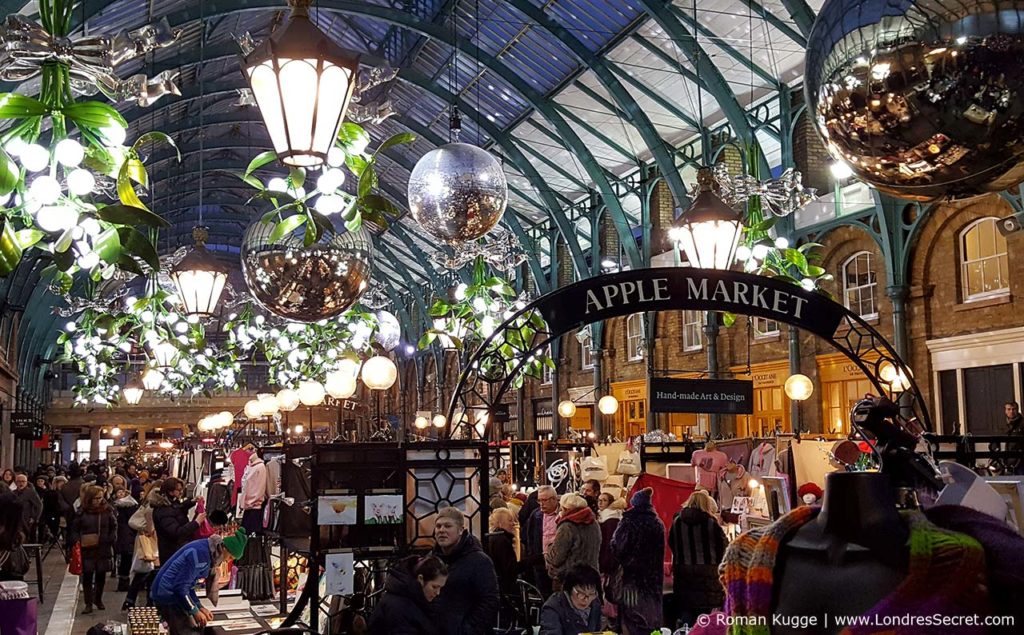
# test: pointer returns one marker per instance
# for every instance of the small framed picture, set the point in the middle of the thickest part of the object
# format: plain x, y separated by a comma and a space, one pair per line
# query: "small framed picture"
337, 509
383, 509
740, 505
776, 496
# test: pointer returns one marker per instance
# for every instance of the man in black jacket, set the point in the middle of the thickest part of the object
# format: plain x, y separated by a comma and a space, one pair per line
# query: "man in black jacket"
170, 518
468, 603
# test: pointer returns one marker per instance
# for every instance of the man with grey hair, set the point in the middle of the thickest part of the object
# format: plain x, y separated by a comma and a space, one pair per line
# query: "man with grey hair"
540, 533
468, 603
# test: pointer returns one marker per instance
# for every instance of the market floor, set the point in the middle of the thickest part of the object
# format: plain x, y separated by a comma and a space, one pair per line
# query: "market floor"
60, 612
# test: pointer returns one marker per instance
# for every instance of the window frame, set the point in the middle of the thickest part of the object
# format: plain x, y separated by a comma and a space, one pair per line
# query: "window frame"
634, 352
587, 354
1004, 277
763, 335
689, 347
861, 288
547, 374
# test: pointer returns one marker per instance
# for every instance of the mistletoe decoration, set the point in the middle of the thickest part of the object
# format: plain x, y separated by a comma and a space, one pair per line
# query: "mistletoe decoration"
296, 207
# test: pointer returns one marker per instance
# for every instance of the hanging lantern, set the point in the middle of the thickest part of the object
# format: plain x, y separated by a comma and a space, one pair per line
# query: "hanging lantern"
340, 384
269, 405
379, 373
288, 399
223, 419
439, 421
567, 409
253, 409
199, 277
608, 405
164, 354
709, 231
152, 379
421, 423
311, 393
302, 82
798, 387
133, 392
115, 431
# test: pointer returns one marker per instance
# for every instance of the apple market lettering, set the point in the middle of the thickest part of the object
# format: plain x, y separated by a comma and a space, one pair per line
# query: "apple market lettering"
627, 293
754, 295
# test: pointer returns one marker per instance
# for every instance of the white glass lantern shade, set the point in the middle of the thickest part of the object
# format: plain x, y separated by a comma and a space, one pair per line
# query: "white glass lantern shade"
608, 405
567, 409
224, 419
709, 231
340, 384
288, 399
268, 405
199, 278
302, 83
311, 393
421, 423
253, 409
133, 392
349, 367
379, 373
164, 354
799, 387
439, 421
204, 425
152, 379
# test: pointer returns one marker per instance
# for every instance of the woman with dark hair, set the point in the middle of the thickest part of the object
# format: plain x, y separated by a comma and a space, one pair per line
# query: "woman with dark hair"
8, 478
124, 506
577, 608
411, 585
13, 559
170, 517
95, 528
639, 593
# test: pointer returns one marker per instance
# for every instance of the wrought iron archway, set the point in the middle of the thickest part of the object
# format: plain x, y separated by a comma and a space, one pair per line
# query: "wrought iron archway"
491, 369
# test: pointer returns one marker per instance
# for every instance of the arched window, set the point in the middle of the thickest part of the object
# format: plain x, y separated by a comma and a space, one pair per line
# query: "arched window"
635, 337
693, 325
586, 340
763, 327
860, 284
983, 267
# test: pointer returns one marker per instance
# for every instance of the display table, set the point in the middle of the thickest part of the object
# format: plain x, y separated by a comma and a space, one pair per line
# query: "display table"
235, 616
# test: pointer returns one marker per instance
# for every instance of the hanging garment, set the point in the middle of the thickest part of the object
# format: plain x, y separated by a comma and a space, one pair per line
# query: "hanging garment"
254, 485
762, 460
732, 482
273, 476
708, 464
239, 461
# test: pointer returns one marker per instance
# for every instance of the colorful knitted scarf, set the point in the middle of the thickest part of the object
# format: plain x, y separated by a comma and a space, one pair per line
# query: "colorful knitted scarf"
946, 576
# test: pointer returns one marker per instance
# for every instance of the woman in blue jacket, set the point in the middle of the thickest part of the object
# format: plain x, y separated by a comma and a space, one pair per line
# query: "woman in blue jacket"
173, 590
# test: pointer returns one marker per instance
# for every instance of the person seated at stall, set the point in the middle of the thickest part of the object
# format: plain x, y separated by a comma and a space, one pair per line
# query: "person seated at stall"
412, 584
577, 609
173, 591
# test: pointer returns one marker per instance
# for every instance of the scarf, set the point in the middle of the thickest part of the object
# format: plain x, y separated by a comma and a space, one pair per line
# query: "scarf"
581, 516
946, 576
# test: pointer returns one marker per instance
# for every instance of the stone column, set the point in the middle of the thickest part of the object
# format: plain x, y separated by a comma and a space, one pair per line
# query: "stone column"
711, 336
898, 295
794, 368
94, 444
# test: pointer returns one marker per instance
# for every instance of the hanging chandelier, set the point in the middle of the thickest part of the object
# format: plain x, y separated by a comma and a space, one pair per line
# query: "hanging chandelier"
709, 231
200, 277
133, 392
302, 82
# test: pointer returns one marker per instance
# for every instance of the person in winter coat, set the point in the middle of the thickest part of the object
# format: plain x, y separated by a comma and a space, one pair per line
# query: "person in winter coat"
170, 518
540, 534
698, 545
502, 551
468, 604
577, 609
51, 506
124, 506
95, 528
31, 505
412, 584
638, 547
145, 558
608, 516
173, 590
577, 540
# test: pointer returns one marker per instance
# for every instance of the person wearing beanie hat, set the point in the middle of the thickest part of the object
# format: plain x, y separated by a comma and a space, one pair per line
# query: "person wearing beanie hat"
639, 596
173, 591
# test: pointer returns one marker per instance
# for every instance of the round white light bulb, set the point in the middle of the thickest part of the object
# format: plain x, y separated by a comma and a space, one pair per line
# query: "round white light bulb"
460, 292
421, 423
45, 189
798, 387
608, 405
329, 204
311, 393
69, 152
15, 146
114, 135
57, 218
782, 242
288, 399
35, 157
81, 182
330, 180
438, 421
335, 157
277, 184
567, 409
760, 251
89, 260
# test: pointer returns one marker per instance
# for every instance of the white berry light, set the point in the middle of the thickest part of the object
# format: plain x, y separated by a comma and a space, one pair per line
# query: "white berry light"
57, 218
45, 189
330, 180
35, 157
81, 182
329, 204
69, 152
115, 135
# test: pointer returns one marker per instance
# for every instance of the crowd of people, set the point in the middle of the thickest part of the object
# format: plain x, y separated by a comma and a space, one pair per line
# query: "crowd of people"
592, 559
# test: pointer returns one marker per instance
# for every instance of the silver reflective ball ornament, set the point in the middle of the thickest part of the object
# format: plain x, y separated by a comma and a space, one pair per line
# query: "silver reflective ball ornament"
305, 284
457, 192
389, 331
922, 99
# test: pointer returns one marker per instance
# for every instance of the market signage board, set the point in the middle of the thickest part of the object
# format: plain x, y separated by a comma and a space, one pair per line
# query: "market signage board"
714, 396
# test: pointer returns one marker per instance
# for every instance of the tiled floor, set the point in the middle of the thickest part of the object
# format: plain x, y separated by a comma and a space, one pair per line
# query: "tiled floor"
60, 612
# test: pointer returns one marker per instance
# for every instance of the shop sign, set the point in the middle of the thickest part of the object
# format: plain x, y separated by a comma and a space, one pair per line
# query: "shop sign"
715, 396
688, 288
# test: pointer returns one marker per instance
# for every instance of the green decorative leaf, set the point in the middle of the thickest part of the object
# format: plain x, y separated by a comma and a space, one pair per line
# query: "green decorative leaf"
764, 225
439, 308
352, 134
796, 258
367, 181
64, 260
356, 163
125, 189
94, 114
137, 171
15, 106
10, 249
286, 226
108, 246
135, 243
130, 215
156, 137
426, 340
378, 203
262, 159
395, 140
28, 237
9, 175
815, 271
323, 224
728, 319
296, 177
63, 281
252, 180
804, 248
355, 224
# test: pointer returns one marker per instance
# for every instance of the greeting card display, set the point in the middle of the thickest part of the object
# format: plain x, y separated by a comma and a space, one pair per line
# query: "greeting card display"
337, 510
383, 509
340, 569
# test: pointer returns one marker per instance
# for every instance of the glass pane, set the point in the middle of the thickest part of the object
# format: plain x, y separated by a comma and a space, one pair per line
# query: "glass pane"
973, 278
972, 250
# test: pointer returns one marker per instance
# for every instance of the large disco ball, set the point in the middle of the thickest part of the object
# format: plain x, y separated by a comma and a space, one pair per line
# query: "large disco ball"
389, 331
922, 99
305, 284
457, 192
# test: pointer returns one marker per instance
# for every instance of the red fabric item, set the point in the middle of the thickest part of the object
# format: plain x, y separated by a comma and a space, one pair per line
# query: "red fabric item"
239, 461
669, 495
810, 488
75, 562
582, 516
206, 529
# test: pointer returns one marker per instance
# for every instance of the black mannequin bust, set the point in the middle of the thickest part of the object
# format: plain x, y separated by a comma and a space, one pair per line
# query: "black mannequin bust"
847, 559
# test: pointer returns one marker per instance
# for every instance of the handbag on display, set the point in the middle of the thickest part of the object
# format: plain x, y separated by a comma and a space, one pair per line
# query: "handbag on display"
594, 467
75, 562
205, 530
629, 461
